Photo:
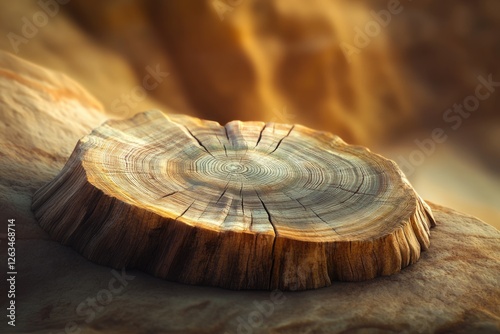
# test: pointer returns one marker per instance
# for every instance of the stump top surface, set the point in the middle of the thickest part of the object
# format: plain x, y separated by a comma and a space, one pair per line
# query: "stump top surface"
251, 177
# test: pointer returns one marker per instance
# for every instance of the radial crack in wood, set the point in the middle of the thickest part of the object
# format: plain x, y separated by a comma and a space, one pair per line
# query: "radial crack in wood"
243, 206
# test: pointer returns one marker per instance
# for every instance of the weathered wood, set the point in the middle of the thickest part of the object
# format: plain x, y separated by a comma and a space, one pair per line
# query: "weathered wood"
243, 206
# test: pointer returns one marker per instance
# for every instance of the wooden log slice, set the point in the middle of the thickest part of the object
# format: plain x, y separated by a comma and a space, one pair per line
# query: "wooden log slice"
247, 205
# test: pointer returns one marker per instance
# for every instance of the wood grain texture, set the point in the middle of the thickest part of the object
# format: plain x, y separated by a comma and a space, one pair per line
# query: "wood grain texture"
247, 205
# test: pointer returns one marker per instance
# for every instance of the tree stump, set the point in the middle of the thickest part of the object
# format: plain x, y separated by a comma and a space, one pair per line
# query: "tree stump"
247, 205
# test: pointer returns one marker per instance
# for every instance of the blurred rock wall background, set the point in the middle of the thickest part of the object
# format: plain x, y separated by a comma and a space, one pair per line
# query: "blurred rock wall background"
390, 75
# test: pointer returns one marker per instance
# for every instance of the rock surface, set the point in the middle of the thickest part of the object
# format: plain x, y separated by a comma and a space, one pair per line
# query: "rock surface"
454, 287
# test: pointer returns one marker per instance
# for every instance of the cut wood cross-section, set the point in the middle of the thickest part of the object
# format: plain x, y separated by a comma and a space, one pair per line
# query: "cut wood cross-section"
247, 205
